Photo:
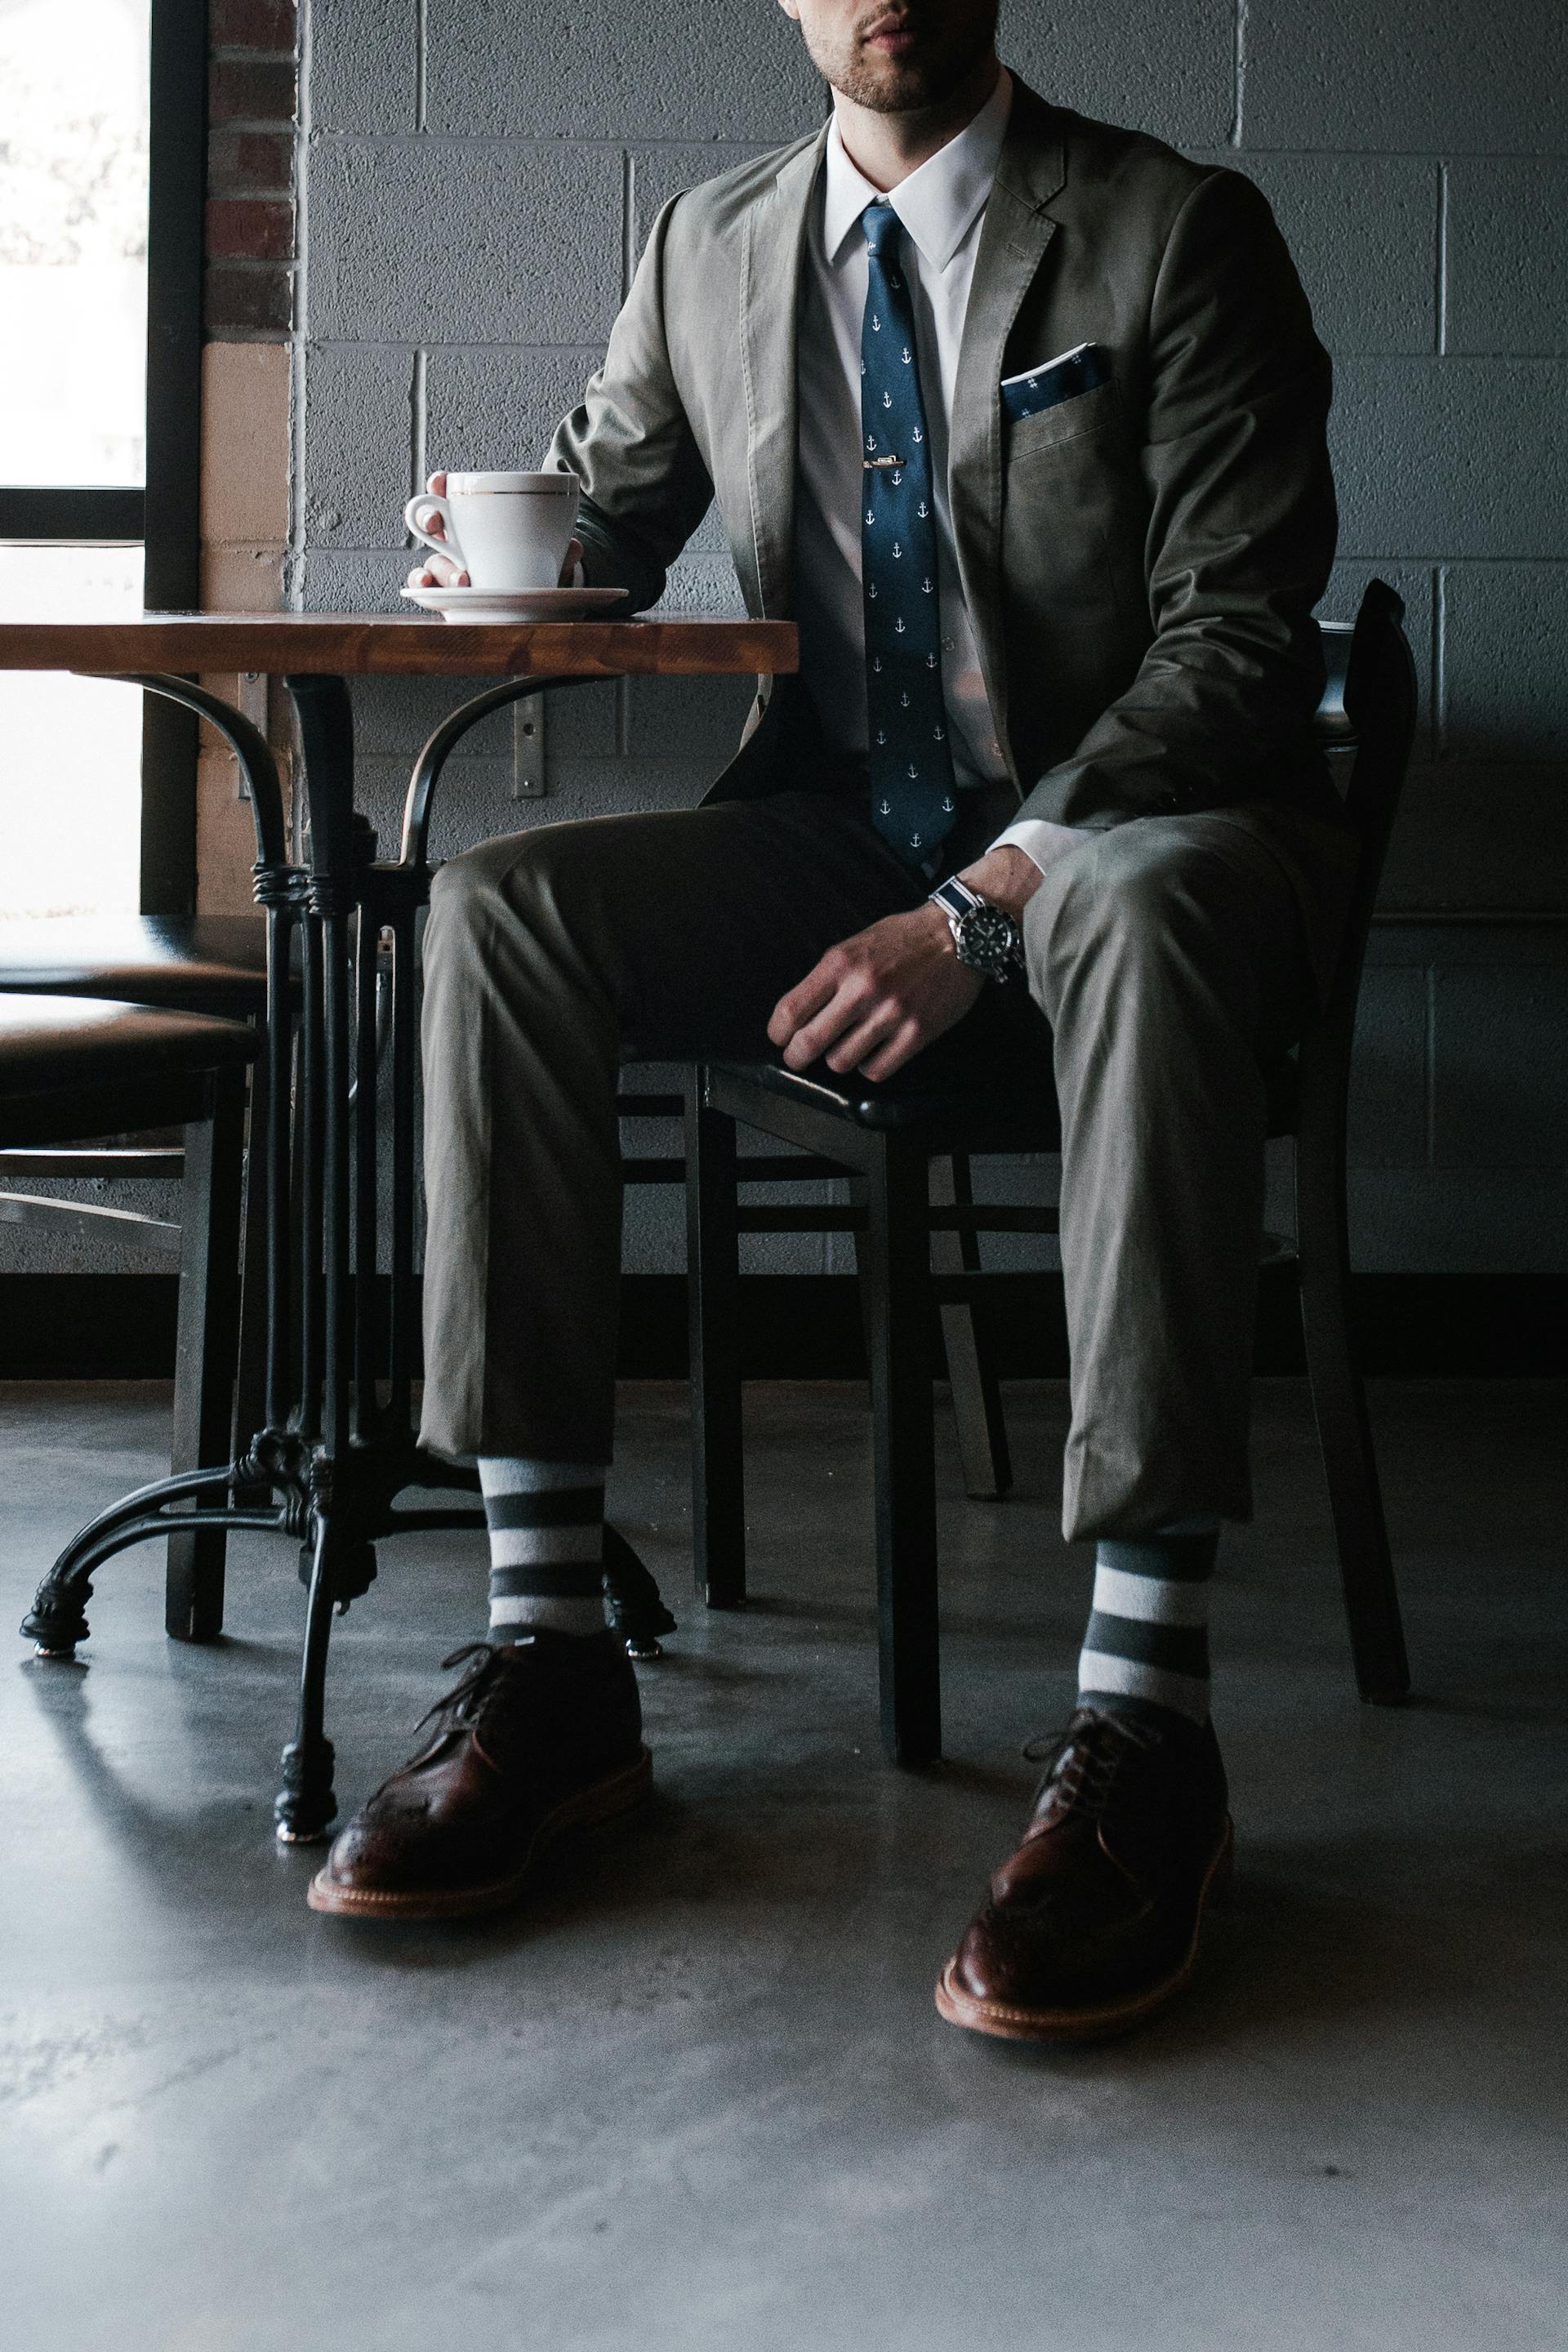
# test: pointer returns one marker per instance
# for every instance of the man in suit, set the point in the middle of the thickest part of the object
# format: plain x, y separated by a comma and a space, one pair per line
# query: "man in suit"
1022, 418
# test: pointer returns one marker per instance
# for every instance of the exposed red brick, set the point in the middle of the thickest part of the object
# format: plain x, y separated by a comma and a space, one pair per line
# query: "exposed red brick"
252, 89
248, 300
253, 23
252, 228
251, 162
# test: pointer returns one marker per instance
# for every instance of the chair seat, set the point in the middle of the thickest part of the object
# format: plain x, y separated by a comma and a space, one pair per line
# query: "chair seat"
963, 1102
211, 963
53, 1044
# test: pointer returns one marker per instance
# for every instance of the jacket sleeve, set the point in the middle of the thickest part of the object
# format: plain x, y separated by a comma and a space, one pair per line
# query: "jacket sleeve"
1240, 535
645, 486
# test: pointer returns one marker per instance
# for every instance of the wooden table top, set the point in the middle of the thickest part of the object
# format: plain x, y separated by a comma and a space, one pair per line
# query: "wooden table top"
399, 643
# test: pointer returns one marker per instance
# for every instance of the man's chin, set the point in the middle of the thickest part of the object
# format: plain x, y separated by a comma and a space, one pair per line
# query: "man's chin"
894, 87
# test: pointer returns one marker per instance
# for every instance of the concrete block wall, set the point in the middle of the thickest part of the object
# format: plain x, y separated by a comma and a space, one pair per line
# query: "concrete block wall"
476, 177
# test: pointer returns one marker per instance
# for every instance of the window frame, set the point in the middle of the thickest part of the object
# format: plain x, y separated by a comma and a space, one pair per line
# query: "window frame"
164, 516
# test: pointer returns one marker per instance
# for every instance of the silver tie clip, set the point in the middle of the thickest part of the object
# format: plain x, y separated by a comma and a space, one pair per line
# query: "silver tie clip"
875, 465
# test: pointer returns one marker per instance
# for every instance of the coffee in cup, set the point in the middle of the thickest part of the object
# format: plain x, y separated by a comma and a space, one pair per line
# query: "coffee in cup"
510, 532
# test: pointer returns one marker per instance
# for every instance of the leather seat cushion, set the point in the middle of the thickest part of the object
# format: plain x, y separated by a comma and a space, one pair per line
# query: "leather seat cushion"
213, 964
49, 1043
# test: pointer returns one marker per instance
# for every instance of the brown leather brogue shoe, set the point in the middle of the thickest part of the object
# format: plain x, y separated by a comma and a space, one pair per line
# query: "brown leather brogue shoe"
1094, 1923
539, 1737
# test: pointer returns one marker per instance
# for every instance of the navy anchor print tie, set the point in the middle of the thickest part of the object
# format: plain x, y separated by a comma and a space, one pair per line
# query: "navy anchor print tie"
910, 757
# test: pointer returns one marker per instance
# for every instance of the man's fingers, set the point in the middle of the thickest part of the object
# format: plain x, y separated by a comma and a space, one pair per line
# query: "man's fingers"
435, 485
850, 1052
902, 1047
807, 997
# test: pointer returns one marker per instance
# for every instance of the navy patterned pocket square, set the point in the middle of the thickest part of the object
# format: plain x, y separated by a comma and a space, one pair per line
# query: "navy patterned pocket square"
1047, 386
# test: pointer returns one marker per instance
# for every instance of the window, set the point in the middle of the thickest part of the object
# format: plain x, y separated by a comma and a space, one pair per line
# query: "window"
100, 136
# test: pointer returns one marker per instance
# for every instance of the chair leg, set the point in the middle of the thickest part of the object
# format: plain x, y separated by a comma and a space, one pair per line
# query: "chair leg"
205, 1350
896, 1275
713, 1281
250, 1385
1339, 1402
976, 1391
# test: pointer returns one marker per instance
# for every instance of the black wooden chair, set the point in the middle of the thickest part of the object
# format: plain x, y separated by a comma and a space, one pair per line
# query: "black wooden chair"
948, 1111
211, 966
71, 1068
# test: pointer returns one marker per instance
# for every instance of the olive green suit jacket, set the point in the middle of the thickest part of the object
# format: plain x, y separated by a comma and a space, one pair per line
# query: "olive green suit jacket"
1140, 562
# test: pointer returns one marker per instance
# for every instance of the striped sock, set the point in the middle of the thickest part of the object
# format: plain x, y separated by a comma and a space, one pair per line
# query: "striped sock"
546, 1522
1148, 1638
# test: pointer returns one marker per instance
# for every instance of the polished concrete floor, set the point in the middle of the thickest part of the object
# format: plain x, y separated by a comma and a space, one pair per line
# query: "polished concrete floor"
695, 2095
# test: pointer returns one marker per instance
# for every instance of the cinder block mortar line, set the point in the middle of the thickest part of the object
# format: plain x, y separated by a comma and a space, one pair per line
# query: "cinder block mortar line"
421, 64
1239, 87
1430, 1073
513, 144
628, 218
418, 416
1442, 285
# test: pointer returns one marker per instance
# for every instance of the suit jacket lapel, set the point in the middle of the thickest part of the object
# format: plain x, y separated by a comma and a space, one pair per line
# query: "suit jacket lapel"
1012, 241
773, 255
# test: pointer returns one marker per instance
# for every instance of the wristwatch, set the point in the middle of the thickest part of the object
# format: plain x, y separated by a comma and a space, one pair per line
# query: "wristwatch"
984, 938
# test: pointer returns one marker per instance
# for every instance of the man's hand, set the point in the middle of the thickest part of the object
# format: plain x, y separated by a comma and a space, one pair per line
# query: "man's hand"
444, 571
874, 1000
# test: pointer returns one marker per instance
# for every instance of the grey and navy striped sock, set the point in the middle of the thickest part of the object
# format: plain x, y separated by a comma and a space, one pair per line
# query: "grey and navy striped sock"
546, 1522
1148, 1638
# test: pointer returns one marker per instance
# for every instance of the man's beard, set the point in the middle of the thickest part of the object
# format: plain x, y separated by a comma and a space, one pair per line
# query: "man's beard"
943, 60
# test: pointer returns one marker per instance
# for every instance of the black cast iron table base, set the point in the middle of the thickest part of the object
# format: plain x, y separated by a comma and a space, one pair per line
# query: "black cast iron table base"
338, 1445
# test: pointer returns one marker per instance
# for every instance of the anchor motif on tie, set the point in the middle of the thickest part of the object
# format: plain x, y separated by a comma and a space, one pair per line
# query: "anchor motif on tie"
906, 356
870, 518
926, 587
923, 510
903, 698
914, 841
896, 549
912, 772
877, 662
871, 440
862, 367
872, 589
938, 734
884, 808
919, 434
882, 738
896, 480
876, 324
930, 661
899, 626
886, 400
947, 806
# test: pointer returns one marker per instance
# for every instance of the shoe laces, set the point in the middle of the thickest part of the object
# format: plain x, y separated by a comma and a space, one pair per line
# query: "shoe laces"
459, 1709
1086, 1758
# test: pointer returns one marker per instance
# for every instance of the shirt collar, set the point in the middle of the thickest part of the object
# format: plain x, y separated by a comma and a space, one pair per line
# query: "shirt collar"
938, 204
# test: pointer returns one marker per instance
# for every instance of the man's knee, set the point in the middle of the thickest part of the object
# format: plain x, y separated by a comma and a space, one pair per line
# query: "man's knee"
1130, 893
522, 878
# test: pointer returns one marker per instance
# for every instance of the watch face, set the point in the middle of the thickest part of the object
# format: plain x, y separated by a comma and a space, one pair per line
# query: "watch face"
987, 942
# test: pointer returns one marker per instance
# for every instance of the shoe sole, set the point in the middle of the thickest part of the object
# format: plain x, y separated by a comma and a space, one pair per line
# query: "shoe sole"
606, 1800
1010, 2022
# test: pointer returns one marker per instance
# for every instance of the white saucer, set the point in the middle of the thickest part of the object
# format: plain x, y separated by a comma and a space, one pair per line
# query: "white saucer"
513, 604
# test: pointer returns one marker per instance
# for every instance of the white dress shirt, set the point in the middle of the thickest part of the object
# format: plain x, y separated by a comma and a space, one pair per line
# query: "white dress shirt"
941, 208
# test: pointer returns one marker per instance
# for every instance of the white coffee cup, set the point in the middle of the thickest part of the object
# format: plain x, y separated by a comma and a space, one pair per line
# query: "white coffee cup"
510, 532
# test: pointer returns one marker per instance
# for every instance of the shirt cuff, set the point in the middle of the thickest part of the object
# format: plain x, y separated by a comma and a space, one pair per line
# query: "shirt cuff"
1041, 840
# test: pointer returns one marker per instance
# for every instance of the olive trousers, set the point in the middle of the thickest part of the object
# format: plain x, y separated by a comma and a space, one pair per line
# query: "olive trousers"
1168, 958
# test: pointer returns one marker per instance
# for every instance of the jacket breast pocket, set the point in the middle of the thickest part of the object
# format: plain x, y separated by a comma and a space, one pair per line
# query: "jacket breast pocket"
1088, 411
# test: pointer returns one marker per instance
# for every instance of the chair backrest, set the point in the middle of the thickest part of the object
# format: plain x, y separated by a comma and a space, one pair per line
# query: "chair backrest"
1368, 707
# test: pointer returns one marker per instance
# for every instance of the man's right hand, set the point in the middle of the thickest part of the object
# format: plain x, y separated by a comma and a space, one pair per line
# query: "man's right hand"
445, 571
